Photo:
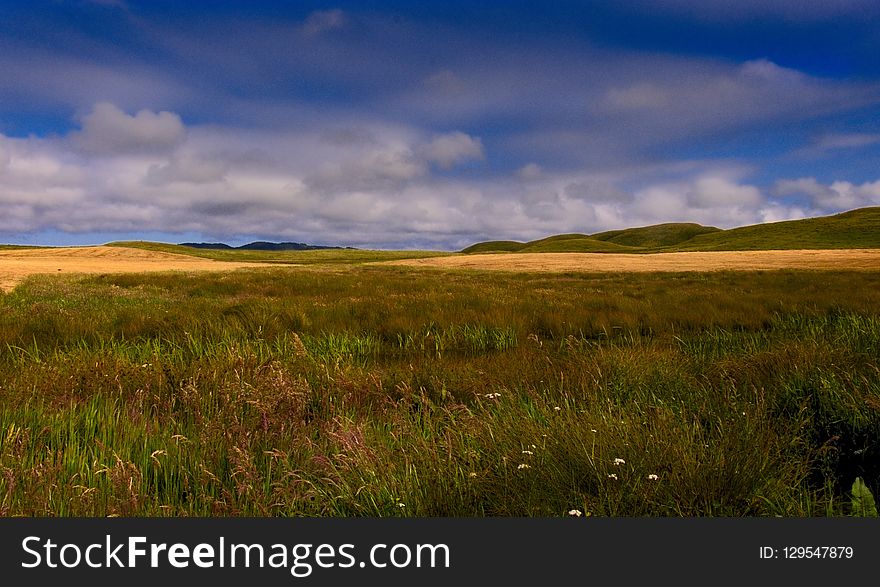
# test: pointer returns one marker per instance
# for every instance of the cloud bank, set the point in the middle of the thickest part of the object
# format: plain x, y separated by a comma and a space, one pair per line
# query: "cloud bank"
372, 129
148, 172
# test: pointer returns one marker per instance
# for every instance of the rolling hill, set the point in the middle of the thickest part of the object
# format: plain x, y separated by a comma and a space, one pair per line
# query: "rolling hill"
856, 229
657, 235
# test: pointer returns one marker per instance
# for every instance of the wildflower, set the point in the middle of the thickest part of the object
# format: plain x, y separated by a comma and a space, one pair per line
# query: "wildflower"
619, 462
653, 477
592, 430
472, 474
493, 395
557, 408
575, 513
400, 504
527, 452
613, 476
523, 466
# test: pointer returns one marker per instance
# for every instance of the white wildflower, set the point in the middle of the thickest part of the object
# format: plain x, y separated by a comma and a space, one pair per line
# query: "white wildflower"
575, 513
653, 477
523, 466
613, 476
619, 462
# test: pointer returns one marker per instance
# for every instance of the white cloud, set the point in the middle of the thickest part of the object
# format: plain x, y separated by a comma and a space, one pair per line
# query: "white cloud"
451, 149
714, 192
837, 196
110, 131
367, 186
712, 198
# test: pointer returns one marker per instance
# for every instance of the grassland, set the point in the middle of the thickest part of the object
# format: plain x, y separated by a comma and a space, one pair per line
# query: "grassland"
356, 390
856, 229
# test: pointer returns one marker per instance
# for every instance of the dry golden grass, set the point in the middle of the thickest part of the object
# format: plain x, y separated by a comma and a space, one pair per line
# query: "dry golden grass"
15, 265
842, 259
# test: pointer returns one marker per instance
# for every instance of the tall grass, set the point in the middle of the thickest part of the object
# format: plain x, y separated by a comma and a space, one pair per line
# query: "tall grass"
386, 392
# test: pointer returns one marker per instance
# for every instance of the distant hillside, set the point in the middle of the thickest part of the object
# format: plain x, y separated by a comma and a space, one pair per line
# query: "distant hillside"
260, 246
573, 243
562, 243
856, 229
658, 235
14, 247
495, 247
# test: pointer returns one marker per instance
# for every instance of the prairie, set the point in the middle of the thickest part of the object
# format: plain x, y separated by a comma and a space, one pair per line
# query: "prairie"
700, 261
344, 388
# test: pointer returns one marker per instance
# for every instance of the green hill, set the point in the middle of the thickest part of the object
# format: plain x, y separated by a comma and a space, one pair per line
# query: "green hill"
658, 235
581, 244
495, 247
560, 243
856, 229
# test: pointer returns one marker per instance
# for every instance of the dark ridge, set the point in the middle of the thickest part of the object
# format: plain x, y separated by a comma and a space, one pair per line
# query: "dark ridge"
261, 246
221, 246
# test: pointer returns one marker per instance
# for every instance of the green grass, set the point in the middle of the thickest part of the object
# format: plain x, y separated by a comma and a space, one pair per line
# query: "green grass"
855, 229
348, 390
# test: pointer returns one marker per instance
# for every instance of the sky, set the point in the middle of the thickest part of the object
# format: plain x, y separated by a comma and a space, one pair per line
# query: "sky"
396, 124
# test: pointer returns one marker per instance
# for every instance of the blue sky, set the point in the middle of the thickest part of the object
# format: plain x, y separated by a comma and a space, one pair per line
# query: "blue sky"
401, 124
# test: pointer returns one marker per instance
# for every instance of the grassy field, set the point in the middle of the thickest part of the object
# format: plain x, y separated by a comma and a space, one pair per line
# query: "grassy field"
350, 390
856, 229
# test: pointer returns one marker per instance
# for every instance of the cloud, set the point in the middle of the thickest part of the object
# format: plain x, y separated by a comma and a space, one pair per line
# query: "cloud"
597, 190
529, 171
637, 97
108, 130
381, 168
449, 150
836, 197
714, 192
322, 21
187, 167
830, 142
846, 141
376, 192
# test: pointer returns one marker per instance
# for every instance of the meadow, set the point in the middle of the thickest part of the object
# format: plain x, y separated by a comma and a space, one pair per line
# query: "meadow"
343, 389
